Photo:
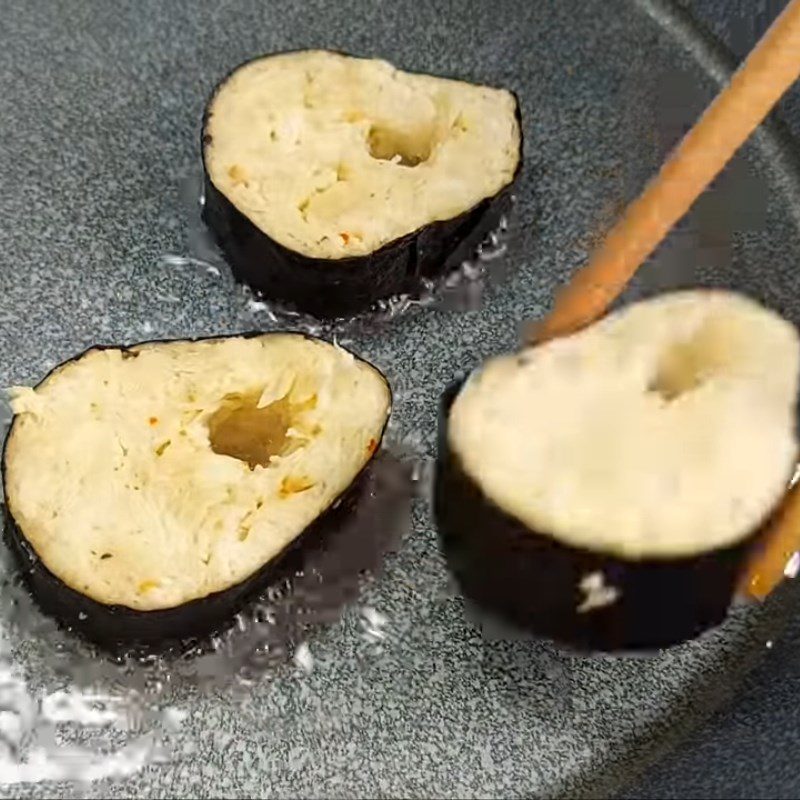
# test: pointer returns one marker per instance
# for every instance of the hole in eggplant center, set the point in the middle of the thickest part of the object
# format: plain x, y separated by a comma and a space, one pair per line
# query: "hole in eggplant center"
685, 366
678, 373
240, 429
406, 148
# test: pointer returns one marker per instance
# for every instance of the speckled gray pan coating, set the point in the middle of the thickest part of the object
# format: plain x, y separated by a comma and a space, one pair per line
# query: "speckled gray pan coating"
99, 114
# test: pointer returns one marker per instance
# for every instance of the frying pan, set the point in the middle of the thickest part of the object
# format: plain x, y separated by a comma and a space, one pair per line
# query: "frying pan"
99, 115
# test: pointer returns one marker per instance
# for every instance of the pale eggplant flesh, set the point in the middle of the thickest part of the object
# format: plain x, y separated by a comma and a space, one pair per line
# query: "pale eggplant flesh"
153, 490
333, 182
614, 569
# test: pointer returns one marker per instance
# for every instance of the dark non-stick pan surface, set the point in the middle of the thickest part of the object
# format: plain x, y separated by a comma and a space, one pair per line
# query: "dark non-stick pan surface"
99, 117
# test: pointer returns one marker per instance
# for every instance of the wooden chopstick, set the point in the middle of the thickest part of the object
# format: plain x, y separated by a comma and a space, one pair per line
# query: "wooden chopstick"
769, 70
780, 542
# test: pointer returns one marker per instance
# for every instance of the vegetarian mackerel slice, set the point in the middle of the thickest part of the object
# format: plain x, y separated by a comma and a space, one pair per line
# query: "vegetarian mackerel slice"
605, 489
333, 181
152, 489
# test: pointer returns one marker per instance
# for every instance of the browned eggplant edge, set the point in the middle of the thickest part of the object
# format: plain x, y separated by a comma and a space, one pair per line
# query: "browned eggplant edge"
119, 628
333, 288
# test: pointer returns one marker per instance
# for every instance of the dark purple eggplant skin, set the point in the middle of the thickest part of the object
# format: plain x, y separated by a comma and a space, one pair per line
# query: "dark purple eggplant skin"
331, 288
118, 628
532, 580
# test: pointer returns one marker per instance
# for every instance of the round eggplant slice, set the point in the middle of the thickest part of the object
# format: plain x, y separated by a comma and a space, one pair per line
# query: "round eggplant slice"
332, 182
152, 490
605, 489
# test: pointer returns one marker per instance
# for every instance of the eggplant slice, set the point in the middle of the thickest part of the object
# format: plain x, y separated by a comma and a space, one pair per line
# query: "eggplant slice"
605, 489
332, 182
152, 490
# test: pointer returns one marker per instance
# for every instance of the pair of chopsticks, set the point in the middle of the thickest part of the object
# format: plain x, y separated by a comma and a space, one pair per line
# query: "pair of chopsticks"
770, 69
